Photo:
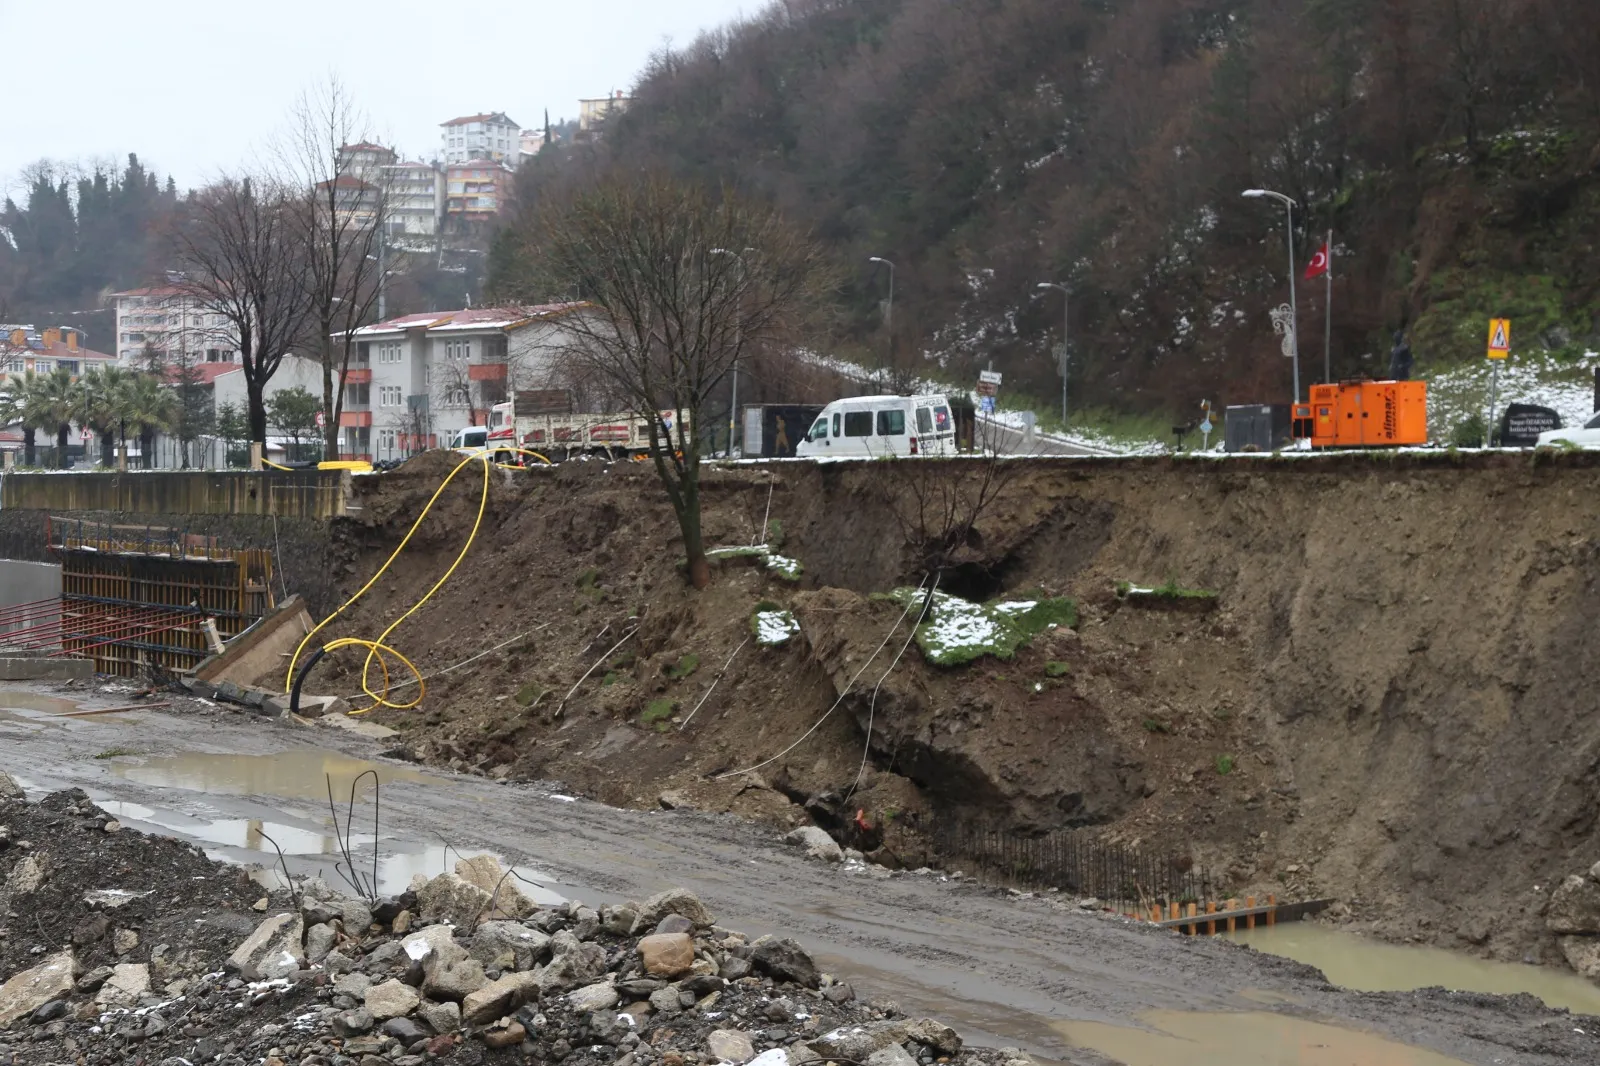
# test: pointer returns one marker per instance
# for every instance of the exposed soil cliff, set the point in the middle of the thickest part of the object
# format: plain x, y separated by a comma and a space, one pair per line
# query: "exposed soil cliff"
1388, 704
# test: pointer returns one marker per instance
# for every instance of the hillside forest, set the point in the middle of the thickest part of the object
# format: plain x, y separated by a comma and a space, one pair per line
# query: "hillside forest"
985, 146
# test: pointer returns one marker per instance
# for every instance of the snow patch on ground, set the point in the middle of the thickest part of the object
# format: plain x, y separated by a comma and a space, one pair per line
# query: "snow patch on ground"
775, 627
1566, 387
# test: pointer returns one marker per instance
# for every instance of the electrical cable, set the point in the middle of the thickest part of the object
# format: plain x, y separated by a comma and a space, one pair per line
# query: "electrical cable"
872, 706
818, 725
378, 650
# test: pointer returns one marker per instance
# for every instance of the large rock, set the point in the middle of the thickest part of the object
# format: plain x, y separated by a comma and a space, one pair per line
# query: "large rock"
486, 873
498, 998
859, 1042
441, 1017
936, 1035
454, 981
582, 964
1574, 907
31, 989
272, 951
127, 983
1582, 954
320, 940
509, 945
784, 960
818, 844
9, 789
602, 996
392, 999
730, 1045
447, 898
667, 955
25, 877
433, 946
672, 901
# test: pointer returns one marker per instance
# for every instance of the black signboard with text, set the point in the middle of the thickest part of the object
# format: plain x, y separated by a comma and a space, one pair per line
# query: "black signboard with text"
1522, 423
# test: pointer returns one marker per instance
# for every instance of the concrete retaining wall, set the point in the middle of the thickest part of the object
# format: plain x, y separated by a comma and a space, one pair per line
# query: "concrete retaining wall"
287, 494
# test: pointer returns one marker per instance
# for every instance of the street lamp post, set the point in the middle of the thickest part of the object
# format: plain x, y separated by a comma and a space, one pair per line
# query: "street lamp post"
888, 314
1294, 309
1066, 323
733, 403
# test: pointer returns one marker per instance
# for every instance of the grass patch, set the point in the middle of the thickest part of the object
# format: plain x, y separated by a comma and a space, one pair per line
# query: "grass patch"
958, 631
686, 665
774, 534
1056, 668
528, 695
780, 565
112, 753
1151, 725
1224, 765
657, 714
1168, 592
610, 679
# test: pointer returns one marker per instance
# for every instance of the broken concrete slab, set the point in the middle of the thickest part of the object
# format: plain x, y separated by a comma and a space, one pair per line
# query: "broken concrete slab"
31, 989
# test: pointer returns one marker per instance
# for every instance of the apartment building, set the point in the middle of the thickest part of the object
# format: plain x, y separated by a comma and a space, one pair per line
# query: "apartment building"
24, 348
169, 322
417, 379
592, 114
475, 192
490, 136
416, 199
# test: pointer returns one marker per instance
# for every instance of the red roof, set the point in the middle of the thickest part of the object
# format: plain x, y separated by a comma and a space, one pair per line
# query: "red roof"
345, 181
365, 146
58, 350
157, 290
209, 372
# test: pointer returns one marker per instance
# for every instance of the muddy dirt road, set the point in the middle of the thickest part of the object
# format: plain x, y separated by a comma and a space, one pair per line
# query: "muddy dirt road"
1004, 970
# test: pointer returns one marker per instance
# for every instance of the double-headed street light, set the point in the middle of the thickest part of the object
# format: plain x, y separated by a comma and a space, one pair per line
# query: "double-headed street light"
1294, 310
1066, 322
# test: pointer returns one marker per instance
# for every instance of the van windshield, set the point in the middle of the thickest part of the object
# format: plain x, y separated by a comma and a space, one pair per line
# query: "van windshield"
820, 430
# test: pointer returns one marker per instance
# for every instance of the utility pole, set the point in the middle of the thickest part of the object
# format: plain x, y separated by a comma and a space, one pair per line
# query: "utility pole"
1294, 309
1066, 323
888, 314
733, 402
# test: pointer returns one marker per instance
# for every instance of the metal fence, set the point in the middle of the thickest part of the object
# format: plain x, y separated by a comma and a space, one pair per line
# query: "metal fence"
1075, 861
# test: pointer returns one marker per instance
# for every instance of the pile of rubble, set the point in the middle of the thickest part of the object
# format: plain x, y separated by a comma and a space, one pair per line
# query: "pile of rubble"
462, 968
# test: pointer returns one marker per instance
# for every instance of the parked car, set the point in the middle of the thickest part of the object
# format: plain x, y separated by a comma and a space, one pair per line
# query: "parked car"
1586, 436
877, 426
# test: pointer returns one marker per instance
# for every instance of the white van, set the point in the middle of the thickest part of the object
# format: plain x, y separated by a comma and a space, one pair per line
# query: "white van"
470, 441
874, 426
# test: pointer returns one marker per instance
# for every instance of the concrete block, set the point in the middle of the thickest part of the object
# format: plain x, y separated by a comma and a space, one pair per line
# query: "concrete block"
230, 692
20, 668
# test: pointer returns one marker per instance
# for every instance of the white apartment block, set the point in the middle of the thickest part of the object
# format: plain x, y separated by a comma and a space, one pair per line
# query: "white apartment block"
169, 321
415, 380
486, 136
416, 199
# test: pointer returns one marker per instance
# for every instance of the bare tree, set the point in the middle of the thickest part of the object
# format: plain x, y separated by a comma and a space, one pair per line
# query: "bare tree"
242, 260
341, 229
682, 284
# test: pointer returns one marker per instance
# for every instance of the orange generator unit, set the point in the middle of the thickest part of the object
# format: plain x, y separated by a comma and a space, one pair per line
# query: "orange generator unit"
1363, 414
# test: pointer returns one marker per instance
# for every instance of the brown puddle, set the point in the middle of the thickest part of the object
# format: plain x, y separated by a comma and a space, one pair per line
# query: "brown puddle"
299, 773
12, 699
1188, 1038
1369, 965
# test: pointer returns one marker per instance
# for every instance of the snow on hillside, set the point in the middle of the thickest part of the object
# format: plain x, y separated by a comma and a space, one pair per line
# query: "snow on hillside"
1565, 386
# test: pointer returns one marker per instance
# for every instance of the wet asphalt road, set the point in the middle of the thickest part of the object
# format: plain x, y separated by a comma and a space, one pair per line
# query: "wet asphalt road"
1001, 969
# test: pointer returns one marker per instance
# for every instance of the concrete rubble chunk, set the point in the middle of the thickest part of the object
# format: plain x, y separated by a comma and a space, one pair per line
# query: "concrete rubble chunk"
509, 945
817, 842
486, 873
31, 989
319, 941
437, 940
392, 999
784, 960
127, 983
936, 1035
25, 877
730, 1045
893, 1055
1574, 907
602, 996
498, 998
441, 1017
447, 898
858, 1042
580, 965
667, 955
672, 901
454, 981
9, 789
272, 951
1582, 954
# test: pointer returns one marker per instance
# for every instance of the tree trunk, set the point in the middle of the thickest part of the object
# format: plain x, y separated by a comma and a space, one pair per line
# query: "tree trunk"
30, 451
147, 447
689, 522
62, 431
258, 413
330, 402
107, 448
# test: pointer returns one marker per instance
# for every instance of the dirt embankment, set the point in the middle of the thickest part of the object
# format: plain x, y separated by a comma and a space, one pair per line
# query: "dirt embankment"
1388, 705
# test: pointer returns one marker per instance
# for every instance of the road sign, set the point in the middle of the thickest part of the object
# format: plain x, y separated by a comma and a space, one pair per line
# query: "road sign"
1499, 338
986, 404
989, 377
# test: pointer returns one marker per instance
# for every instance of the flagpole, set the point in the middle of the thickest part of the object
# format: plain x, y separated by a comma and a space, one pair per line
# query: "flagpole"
1327, 316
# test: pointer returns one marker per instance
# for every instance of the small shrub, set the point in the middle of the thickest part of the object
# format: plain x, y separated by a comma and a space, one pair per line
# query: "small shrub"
1470, 432
775, 534
1224, 765
657, 713
686, 665
528, 695
588, 579
1056, 668
610, 679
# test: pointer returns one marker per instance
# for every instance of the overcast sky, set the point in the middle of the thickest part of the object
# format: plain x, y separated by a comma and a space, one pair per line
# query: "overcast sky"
194, 86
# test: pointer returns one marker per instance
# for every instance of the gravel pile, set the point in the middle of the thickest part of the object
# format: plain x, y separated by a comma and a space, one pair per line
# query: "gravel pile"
461, 968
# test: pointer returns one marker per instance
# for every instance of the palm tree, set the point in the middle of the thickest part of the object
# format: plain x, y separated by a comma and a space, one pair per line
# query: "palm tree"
11, 405
102, 403
57, 398
151, 407
22, 401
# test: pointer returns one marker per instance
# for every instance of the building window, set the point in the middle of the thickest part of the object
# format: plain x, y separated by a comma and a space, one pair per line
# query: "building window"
357, 395
390, 396
386, 442
389, 352
456, 398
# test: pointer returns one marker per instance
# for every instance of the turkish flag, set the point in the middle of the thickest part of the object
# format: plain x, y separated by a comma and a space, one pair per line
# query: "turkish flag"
1319, 264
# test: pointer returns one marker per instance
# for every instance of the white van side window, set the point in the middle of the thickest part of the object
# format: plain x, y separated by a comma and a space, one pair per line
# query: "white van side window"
836, 432
819, 431
924, 420
892, 423
857, 423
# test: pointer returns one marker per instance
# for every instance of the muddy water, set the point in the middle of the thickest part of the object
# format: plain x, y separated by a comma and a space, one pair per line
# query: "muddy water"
1369, 965
1248, 1038
12, 699
299, 773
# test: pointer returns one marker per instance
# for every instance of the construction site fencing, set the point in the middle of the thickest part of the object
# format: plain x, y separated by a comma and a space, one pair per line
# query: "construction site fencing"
1075, 861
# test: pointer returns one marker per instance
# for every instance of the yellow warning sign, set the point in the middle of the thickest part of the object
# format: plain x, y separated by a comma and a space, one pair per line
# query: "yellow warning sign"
1499, 338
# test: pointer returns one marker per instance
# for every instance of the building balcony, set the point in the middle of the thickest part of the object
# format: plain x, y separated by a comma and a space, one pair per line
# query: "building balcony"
486, 372
358, 376
355, 419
